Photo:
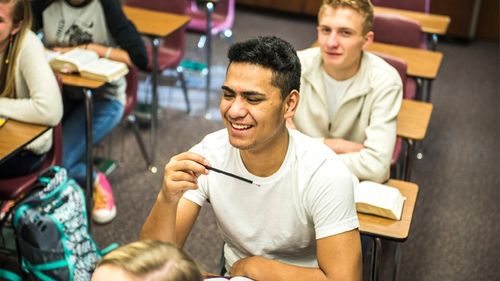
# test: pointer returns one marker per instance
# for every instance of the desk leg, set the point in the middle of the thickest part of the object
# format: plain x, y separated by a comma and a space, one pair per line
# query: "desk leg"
210, 9
89, 145
377, 246
433, 41
408, 161
397, 262
154, 103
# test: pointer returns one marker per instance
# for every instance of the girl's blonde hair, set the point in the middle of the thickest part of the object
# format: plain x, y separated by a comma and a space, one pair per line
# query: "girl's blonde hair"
154, 260
363, 7
21, 15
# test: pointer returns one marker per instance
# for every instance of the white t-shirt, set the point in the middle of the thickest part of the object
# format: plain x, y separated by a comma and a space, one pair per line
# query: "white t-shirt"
335, 91
308, 198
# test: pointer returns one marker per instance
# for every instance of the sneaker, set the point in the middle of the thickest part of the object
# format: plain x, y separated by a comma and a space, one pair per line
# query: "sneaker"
104, 204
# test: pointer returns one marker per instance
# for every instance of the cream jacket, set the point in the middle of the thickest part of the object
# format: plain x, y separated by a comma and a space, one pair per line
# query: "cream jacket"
366, 114
38, 96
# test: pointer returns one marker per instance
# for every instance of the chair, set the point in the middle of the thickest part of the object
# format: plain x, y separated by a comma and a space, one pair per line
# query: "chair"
13, 188
222, 19
409, 92
128, 113
172, 49
402, 31
412, 5
398, 30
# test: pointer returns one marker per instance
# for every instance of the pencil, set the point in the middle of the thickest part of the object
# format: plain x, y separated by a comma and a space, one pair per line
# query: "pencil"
231, 175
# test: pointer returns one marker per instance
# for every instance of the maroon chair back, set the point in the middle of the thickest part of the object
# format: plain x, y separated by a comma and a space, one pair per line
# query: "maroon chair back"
398, 30
12, 188
131, 92
412, 5
409, 84
409, 92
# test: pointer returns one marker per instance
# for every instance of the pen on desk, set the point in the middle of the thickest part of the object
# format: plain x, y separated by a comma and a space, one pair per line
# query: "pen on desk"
231, 175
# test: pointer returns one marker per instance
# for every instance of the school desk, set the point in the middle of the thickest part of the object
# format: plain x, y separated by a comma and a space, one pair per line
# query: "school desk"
155, 25
394, 230
412, 124
15, 135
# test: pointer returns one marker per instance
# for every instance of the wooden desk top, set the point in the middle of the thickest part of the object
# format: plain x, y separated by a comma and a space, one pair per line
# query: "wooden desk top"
387, 228
15, 135
421, 63
78, 81
431, 23
154, 23
413, 119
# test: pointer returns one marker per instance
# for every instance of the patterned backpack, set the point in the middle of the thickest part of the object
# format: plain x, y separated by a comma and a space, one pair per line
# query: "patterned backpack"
52, 232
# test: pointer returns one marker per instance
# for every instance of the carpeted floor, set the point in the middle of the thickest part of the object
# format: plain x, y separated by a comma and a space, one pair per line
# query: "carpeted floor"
454, 235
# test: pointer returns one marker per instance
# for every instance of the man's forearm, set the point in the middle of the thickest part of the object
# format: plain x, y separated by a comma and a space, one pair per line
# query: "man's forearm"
262, 269
342, 146
161, 222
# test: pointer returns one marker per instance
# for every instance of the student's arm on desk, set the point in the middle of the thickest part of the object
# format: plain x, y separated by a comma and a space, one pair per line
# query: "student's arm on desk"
340, 146
339, 258
172, 217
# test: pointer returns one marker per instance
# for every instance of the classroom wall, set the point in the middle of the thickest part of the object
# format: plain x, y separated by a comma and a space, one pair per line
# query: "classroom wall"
470, 19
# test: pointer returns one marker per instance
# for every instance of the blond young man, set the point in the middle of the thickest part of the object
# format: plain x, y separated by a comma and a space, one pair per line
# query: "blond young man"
299, 223
350, 98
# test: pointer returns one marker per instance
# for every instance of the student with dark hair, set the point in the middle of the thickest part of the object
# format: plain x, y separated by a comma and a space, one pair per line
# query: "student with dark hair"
147, 260
28, 87
290, 215
101, 26
350, 98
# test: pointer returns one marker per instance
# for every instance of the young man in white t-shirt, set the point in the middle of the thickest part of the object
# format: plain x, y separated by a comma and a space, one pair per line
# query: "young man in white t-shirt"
350, 98
297, 220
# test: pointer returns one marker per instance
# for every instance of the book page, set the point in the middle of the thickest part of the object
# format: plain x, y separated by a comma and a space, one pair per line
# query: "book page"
104, 69
79, 57
73, 60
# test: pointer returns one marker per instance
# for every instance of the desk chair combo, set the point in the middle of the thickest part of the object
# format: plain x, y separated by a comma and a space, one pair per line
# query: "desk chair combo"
172, 49
401, 31
423, 6
13, 188
156, 23
406, 32
216, 19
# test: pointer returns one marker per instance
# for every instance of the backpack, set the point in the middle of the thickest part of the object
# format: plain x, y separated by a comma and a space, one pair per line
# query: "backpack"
51, 229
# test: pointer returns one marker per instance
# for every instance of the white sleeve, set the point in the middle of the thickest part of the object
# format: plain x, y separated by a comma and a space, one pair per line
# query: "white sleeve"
330, 199
43, 103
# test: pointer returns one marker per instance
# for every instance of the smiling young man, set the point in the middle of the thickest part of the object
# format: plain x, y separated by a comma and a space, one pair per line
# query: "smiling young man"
349, 98
300, 223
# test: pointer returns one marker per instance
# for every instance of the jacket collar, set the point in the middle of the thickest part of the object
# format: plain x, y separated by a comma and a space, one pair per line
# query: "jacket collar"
312, 73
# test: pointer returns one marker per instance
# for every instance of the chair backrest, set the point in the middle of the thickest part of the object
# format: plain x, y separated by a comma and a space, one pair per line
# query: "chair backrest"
131, 92
12, 188
409, 84
398, 30
176, 39
412, 5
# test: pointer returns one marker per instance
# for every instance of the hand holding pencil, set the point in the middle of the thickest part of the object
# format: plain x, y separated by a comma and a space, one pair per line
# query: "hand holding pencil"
181, 174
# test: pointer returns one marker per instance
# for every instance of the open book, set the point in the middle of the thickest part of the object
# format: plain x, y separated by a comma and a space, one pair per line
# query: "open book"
88, 64
378, 199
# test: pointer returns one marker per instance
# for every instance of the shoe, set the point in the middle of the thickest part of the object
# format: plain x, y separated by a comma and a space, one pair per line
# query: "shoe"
104, 204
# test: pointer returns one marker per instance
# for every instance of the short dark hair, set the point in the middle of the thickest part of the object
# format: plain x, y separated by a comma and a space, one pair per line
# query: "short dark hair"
273, 53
